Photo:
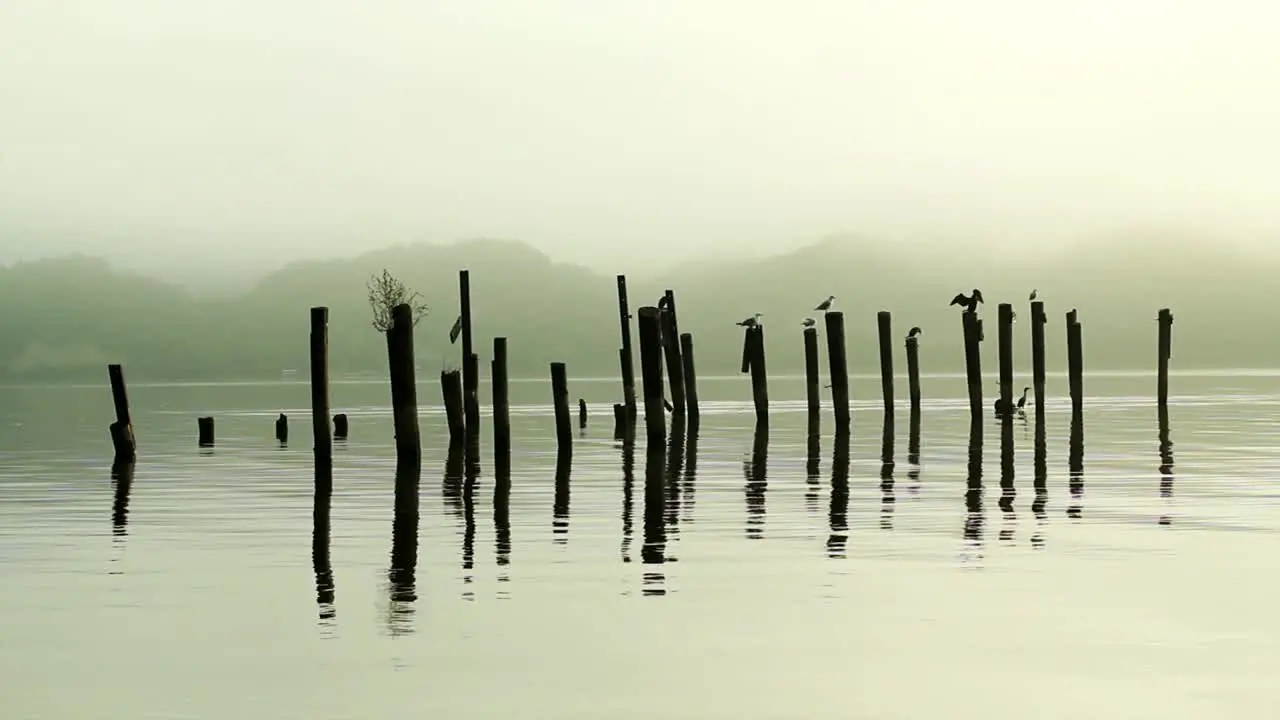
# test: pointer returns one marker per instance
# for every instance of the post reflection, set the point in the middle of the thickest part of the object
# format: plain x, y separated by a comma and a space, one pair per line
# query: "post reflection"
1042, 518
121, 486
690, 470
320, 540
653, 550
560, 504
502, 522
451, 487
812, 467
887, 499
838, 513
628, 485
468, 535
755, 471
913, 452
1075, 463
1007, 490
974, 513
1166, 467
674, 467
402, 590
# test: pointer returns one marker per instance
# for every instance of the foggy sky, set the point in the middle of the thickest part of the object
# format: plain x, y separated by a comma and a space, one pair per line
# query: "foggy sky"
283, 127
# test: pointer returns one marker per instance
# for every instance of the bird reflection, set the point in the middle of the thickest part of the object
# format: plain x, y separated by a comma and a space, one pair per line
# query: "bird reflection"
675, 465
974, 518
812, 468
628, 484
560, 505
320, 540
754, 469
690, 469
839, 512
1166, 465
653, 551
887, 499
913, 451
122, 484
1075, 463
502, 522
404, 548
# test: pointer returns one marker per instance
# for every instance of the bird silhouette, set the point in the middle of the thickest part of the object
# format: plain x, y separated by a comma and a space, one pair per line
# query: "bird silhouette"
1002, 408
808, 323
968, 302
1033, 294
825, 305
455, 331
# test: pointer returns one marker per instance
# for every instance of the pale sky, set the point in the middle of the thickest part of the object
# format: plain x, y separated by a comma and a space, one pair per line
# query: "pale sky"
599, 130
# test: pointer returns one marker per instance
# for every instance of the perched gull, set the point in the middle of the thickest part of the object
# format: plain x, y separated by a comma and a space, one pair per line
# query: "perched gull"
825, 305
751, 322
808, 322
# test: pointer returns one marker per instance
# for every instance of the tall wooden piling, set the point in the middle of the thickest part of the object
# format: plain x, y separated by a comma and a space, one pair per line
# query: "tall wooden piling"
972, 366
1162, 363
282, 429
320, 431
1038, 318
560, 400
451, 394
648, 323
501, 401
671, 352
204, 426
913, 373
1005, 330
884, 322
121, 430
1075, 364
837, 366
404, 390
759, 376
625, 354
470, 381
690, 376
811, 383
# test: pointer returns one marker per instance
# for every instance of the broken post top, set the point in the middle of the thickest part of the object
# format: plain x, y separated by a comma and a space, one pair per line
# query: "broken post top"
319, 314
1166, 316
402, 316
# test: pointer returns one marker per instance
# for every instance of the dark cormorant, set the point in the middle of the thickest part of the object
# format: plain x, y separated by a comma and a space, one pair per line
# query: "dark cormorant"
455, 331
808, 323
825, 305
1001, 409
913, 332
968, 302
1033, 294
751, 322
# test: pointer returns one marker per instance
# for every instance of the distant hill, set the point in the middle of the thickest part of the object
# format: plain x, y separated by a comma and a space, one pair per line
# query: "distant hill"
67, 317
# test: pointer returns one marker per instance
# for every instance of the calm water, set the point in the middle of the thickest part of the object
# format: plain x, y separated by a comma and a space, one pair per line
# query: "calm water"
743, 584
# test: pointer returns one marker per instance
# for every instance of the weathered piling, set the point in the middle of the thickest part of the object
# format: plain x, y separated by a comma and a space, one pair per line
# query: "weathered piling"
913, 374
322, 438
759, 375
838, 368
972, 365
470, 381
282, 429
121, 430
1038, 319
625, 355
671, 352
1075, 364
690, 376
560, 400
404, 389
620, 421
884, 321
1162, 363
1005, 339
582, 414
204, 426
651, 373
451, 394
501, 401
340, 426
811, 383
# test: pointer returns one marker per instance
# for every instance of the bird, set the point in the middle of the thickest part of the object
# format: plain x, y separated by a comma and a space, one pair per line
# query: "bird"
1002, 408
825, 305
751, 322
1033, 294
968, 302
455, 331
808, 322
913, 332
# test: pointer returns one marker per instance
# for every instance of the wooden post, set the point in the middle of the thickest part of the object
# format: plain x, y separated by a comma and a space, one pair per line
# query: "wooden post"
1005, 340
1075, 364
582, 414
121, 430
404, 391
811, 383
884, 320
560, 400
323, 439
282, 429
625, 354
651, 373
1162, 363
913, 373
501, 403
972, 365
205, 427
838, 368
690, 376
759, 376
671, 352
1038, 318
470, 400
451, 392
620, 421
340, 426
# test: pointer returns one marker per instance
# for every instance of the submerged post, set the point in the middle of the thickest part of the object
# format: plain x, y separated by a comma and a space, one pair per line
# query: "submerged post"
205, 427
1037, 355
972, 365
560, 400
690, 376
625, 354
340, 426
884, 321
282, 429
451, 393
913, 373
404, 391
671, 352
651, 373
620, 421
501, 401
323, 439
1005, 342
838, 367
759, 376
1162, 362
121, 430
470, 383
582, 414
811, 383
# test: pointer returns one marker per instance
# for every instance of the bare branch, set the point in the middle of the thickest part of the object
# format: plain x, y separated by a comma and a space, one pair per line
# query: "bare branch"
385, 293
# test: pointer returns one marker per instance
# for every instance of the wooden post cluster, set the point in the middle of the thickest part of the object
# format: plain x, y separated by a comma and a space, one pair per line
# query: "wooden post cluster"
671, 351
404, 391
470, 371
121, 430
1005, 341
501, 405
690, 377
451, 392
753, 353
320, 432
884, 323
913, 373
972, 365
1075, 363
837, 365
1038, 319
647, 320
811, 383
625, 355
560, 400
